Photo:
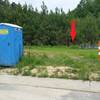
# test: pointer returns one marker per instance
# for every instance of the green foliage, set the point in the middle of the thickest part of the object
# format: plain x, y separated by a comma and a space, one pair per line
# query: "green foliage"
53, 28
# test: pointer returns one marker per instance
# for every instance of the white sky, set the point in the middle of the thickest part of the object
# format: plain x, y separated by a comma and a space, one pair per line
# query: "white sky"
51, 4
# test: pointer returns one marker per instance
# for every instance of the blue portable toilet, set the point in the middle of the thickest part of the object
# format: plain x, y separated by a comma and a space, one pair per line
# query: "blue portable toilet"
11, 44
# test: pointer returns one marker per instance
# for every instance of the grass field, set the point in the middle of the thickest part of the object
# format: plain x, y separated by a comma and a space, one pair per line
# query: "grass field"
82, 63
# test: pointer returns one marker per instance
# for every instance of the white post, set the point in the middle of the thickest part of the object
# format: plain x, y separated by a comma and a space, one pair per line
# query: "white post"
99, 50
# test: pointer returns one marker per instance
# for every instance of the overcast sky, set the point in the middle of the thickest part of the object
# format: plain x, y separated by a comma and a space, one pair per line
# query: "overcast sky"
51, 4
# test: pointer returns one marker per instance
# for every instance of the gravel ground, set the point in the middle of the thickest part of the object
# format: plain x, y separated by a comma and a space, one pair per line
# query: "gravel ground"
28, 88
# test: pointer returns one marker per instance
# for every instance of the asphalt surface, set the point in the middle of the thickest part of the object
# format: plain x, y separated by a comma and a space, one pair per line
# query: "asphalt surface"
28, 88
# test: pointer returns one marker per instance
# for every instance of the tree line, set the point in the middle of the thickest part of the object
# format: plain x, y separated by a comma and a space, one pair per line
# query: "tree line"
53, 27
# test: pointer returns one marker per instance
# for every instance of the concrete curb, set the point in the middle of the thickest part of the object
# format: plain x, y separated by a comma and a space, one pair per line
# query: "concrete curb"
74, 85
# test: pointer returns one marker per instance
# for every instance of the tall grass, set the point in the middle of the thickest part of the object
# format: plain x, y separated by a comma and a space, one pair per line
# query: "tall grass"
83, 59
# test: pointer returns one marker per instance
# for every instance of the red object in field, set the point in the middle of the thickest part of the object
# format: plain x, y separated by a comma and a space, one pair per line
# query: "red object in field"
73, 30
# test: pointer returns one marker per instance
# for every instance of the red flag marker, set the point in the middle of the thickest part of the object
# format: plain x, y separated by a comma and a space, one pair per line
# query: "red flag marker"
73, 30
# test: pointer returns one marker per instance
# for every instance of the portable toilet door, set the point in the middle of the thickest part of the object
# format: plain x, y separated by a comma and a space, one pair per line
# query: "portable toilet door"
11, 44
18, 44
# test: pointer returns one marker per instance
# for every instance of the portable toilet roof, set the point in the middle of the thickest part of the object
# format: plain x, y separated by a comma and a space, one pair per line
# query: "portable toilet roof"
11, 25
11, 44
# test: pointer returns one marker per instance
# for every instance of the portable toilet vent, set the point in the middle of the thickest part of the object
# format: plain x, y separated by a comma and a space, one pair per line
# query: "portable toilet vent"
11, 44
